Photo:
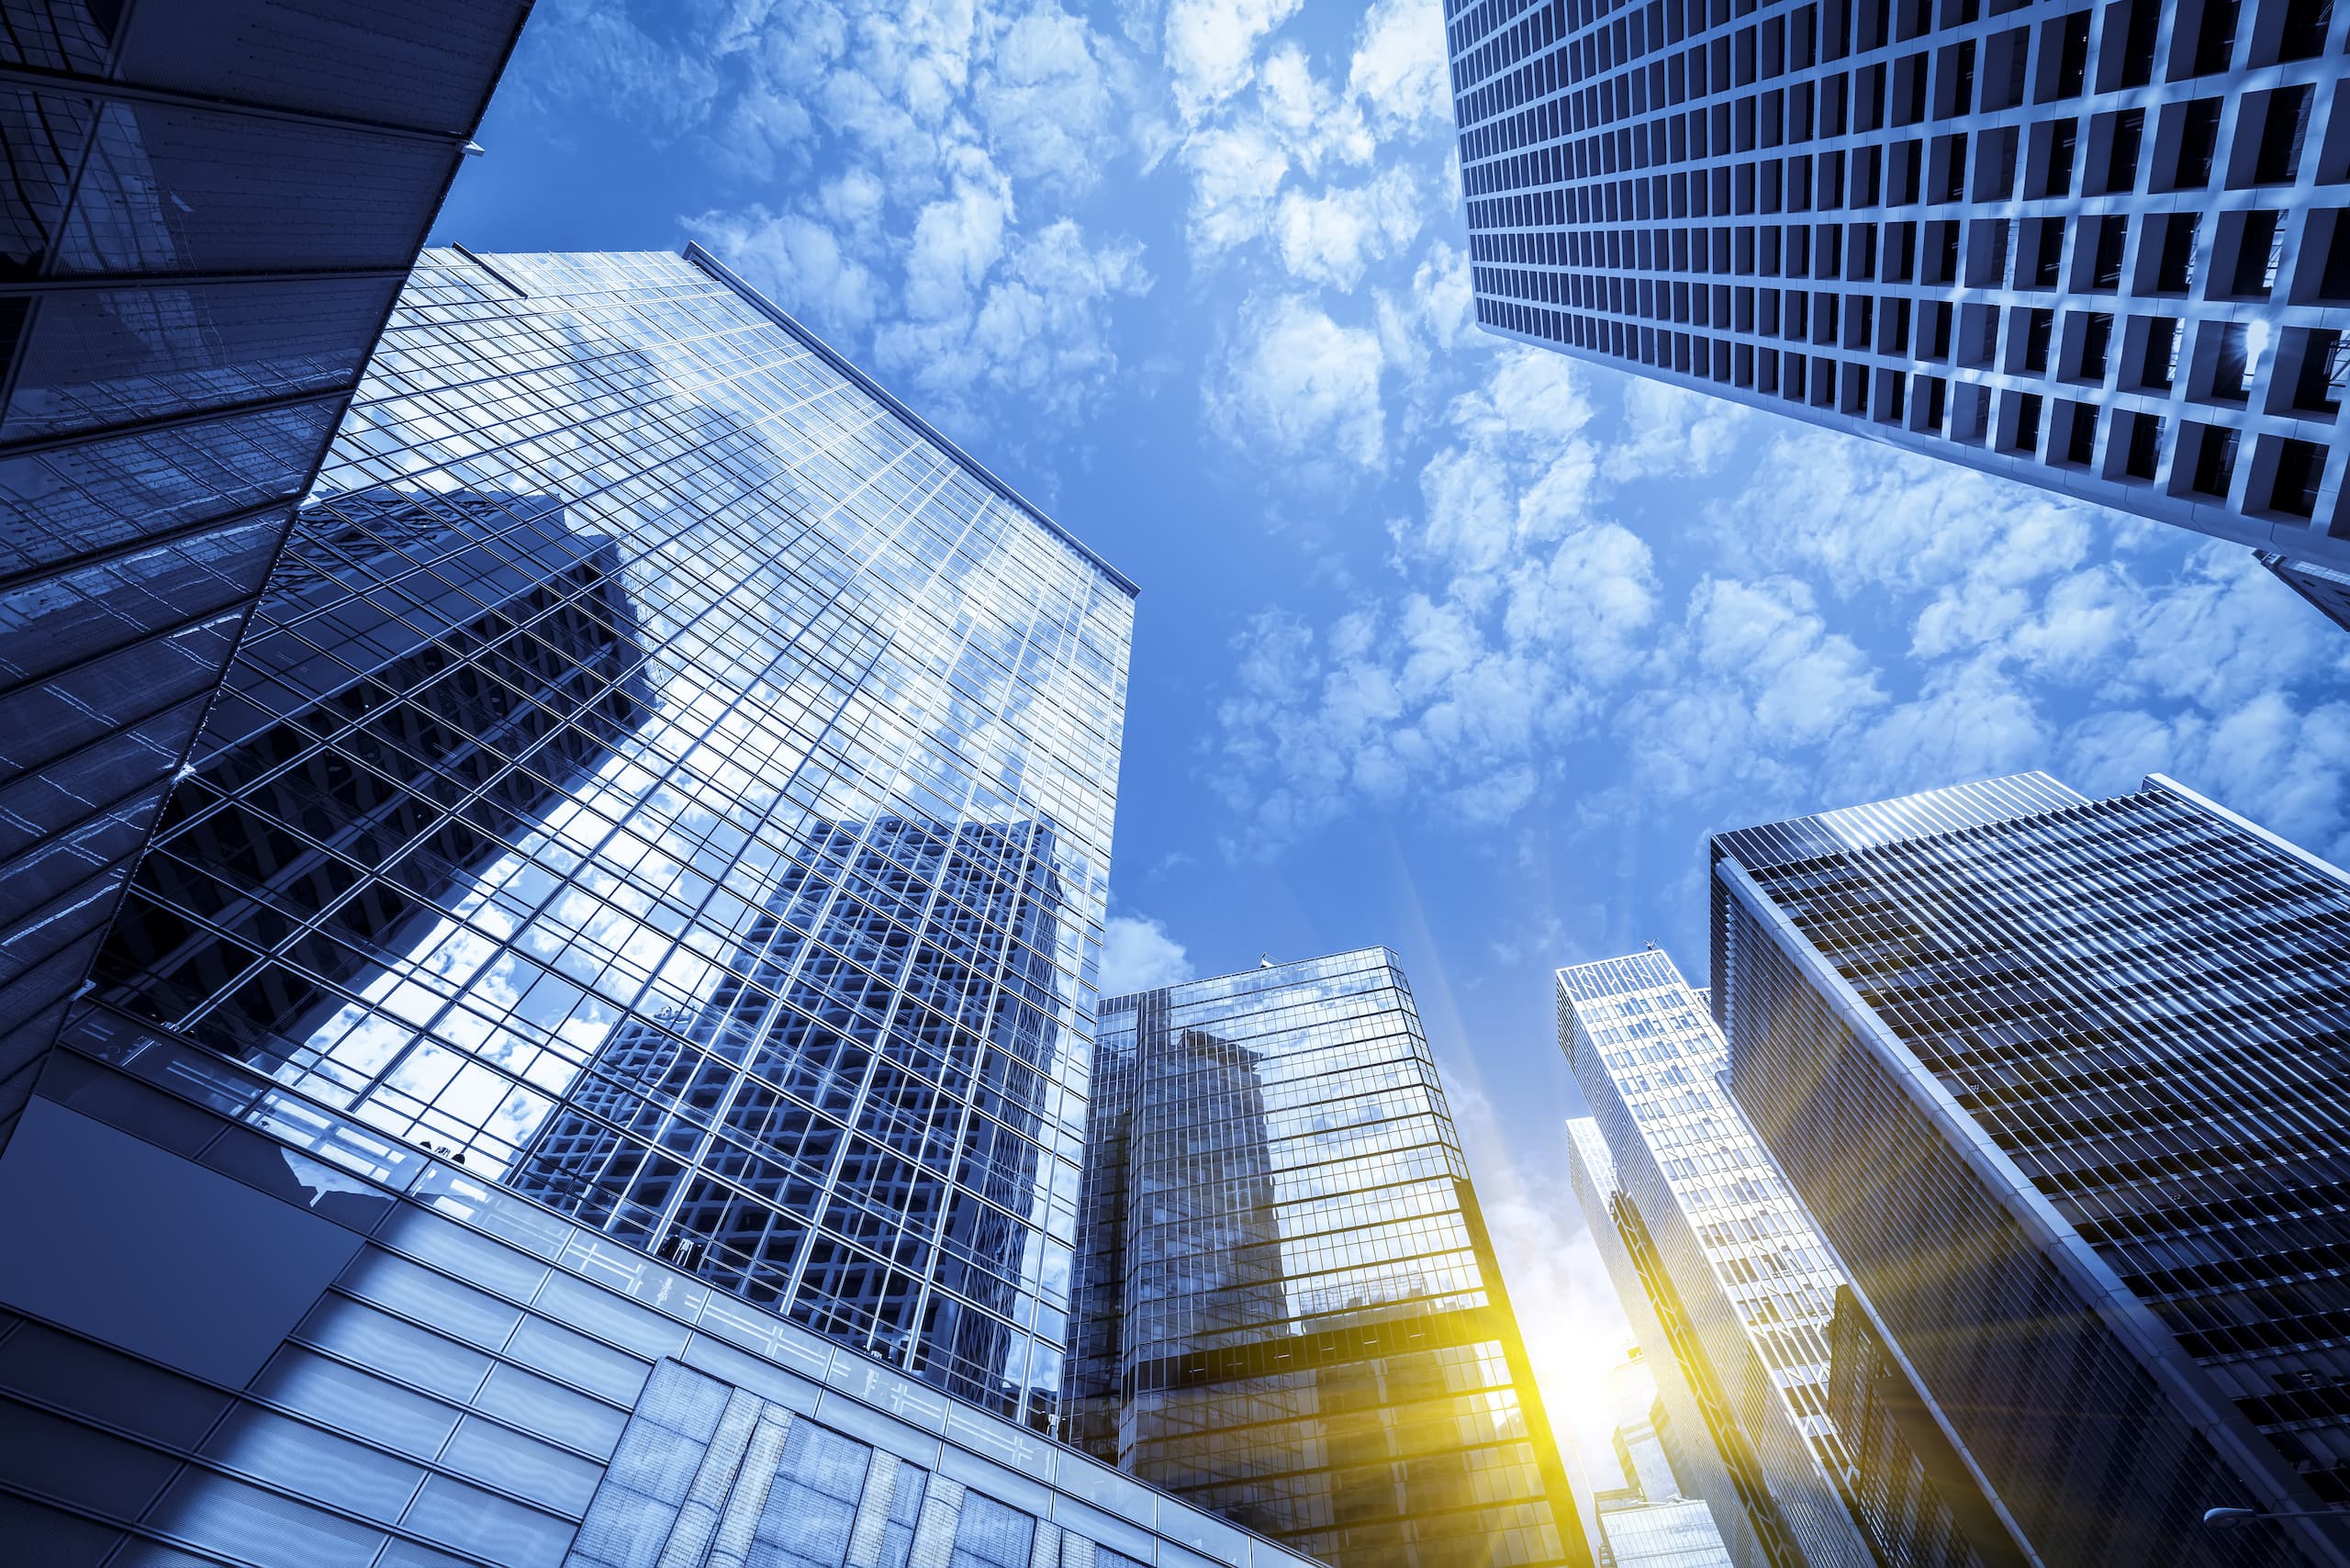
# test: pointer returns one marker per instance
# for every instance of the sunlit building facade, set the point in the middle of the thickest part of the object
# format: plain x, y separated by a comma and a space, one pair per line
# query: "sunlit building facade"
2061, 1081
209, 209
1728, 1286
593, 1067
2098, 248
1292, 1314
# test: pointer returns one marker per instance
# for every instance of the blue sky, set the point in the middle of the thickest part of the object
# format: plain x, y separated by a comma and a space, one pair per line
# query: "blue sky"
1444, 642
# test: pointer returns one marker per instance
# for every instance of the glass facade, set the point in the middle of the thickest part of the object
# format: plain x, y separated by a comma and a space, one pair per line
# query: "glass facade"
1730, 1287
1663, 1535
1911, 1485
209, 209
665, 776
1289, 1308
375, 1356
2060, 1078
2098, 248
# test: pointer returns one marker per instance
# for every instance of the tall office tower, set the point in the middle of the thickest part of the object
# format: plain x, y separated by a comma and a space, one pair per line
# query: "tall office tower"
1678, 1534
209, 209
592, 1069
1725, 1283
2061, 1080
1293, 1312
1632, 1396
2098, 248
961, 1071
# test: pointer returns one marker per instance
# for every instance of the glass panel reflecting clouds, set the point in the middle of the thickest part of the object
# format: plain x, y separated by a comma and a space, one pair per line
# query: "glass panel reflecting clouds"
666, 777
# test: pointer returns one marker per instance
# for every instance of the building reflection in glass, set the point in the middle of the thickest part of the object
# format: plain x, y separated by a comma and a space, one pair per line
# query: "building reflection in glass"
660, 726
468, 659
208, 210
1289, 1310
802, 1105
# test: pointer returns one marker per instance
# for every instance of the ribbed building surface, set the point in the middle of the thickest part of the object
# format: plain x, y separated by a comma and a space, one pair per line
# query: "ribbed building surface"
2062, 1080
2103, 249
208, 210
1292, 1313
1727, 1285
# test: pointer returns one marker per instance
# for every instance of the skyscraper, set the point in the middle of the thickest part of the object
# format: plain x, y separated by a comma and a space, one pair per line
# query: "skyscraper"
1649, 1524
593, 1069
210, 207
2061, 1081
1640, 1451
2092, 247
1725, 1282
1292, 1313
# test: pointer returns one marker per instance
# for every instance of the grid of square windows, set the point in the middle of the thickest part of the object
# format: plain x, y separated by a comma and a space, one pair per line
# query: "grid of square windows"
1727, 1249
2104, 249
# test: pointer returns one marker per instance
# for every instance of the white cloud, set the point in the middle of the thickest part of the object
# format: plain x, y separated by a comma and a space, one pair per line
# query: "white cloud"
1399, 67
1235, 174
1330, 238
1804, 682
1138, 955
2284, 765
799, 262
1211, 48
1299, 386
1047, 99
955, 135
1670, 431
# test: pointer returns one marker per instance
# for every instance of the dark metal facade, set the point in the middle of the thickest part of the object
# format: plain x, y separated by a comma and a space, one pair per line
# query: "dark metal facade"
2062, 1080
208, 211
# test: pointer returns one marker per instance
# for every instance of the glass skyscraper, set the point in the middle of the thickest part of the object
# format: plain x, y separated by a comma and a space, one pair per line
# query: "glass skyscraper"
593, 1068
2098, 248
1289, 1310
2061, 1080
210, 208
1726, 1282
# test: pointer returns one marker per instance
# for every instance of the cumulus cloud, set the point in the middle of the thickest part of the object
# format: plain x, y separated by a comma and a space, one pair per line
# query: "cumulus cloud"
1398, 70
1297, 386
1465, 694
1330, 237
1670, 431
952, 139
1236, 174
1138, 955
1211, 48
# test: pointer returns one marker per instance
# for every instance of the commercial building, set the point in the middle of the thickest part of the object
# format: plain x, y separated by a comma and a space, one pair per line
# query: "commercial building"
1649, 1523
211, 205
1639, 1445
1676, 1534
1729, 1288
1289, 1308
2060, 1079
2101, 249
593, 1067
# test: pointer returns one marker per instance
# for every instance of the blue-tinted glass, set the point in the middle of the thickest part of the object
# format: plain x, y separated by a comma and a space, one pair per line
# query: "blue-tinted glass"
694, 813
1289, 1312
473, 1520
314, 1463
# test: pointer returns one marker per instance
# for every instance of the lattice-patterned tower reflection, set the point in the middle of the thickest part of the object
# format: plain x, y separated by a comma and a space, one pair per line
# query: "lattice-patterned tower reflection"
1292, 1312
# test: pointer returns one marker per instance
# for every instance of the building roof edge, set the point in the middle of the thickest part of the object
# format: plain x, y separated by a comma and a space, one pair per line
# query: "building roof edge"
719, 270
